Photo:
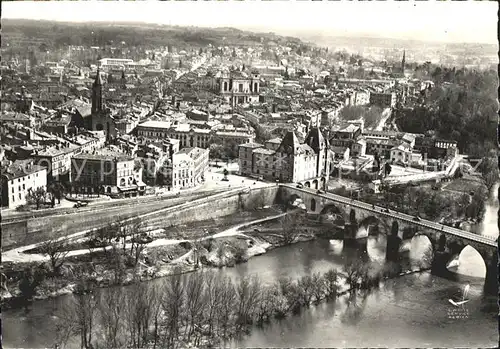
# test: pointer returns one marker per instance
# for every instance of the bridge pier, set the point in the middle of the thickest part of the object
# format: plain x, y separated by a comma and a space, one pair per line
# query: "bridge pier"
491, 280
393, 245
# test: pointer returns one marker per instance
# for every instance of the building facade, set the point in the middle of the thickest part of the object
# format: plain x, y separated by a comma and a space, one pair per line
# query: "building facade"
18, 180
186, 169
106, 174
291, 161
385, 100
239, 87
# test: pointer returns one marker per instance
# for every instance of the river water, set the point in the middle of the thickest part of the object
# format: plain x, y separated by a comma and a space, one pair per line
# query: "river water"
488, 225
409, 311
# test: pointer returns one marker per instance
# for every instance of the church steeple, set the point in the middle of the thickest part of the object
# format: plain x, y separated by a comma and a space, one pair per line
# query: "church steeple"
403, 61
97, 93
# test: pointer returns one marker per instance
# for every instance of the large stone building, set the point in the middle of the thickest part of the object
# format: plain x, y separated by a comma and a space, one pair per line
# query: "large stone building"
18, 179
57, 160
291, 161
186, 169
106, 173
191, 135
238, 87
384, 99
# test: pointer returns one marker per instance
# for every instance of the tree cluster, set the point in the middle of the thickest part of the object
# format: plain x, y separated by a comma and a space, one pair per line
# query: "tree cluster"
371, 115
461, 110
199, 308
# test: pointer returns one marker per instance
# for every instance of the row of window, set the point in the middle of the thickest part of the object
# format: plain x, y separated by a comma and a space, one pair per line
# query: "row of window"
23, 178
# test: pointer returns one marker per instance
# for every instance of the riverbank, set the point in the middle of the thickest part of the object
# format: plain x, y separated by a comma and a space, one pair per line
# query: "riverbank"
163, 257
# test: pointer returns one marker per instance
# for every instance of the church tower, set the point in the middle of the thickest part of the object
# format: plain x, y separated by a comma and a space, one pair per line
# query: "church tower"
97, 94
403, 62
123, 80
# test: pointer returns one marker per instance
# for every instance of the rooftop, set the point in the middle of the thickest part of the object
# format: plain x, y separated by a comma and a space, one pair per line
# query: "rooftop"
20, 169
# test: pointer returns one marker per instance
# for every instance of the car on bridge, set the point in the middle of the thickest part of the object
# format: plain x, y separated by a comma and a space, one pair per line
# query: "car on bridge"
320, 191
81, 204
300, 186
416, 218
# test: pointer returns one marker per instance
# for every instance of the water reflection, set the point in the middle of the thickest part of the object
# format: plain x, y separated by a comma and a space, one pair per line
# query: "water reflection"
421, 252
469, 263
489, 223
408, 311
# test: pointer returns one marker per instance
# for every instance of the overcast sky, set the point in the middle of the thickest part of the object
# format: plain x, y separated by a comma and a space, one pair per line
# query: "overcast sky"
447, 21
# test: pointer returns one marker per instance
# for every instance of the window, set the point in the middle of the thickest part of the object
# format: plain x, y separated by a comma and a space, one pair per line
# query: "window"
19, 196
24, 187
19, 188
19, 180
13, 199
12, 189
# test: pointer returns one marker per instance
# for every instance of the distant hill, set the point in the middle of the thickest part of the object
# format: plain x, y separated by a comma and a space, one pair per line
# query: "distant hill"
419, 50
58, 34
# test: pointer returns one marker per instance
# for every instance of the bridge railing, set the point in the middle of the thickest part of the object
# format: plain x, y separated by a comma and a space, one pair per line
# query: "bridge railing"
399, 215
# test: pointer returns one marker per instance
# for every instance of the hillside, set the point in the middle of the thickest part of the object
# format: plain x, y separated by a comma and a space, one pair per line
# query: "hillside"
20, 32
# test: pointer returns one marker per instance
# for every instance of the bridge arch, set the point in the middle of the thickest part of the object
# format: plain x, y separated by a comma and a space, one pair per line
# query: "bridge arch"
469, 262
315, 184
322, 183
421, 252
371, 224
332, 212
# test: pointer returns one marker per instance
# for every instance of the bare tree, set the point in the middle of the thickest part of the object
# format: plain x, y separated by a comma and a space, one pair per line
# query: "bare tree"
139, 309
331, 279
228, 297
137, 241
266, 304
78, 316
213, 300
318, 287
111, 315
195, 302
249, 292
129, 229
306, 288
156, 309
57, 251
290, 227
36, 196
173, 306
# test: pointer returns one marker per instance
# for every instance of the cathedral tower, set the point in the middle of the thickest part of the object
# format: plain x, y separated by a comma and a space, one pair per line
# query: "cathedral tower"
97, 94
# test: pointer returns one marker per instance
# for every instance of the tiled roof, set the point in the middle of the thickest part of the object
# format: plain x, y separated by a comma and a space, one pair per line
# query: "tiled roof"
20, 169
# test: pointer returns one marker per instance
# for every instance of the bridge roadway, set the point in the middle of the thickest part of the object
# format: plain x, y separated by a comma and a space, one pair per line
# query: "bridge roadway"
398, 215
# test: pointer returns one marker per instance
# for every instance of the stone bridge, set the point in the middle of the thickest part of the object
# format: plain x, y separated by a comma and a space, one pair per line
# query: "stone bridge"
360, 219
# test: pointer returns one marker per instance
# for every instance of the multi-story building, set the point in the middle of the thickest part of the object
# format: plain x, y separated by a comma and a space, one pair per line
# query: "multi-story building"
246, 157
16, 118
186, 169
401, 154
57, 160
385, 99
106, 173
192, 136
18, 179
239, 87
291, 161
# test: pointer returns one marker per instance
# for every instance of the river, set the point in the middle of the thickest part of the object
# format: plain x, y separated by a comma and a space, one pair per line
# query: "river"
409, 311
488, 225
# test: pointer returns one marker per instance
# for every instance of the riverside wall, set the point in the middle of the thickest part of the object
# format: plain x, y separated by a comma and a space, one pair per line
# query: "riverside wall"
174, 212
210, 208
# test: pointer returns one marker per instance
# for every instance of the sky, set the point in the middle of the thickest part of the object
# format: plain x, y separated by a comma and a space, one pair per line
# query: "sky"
444, 21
